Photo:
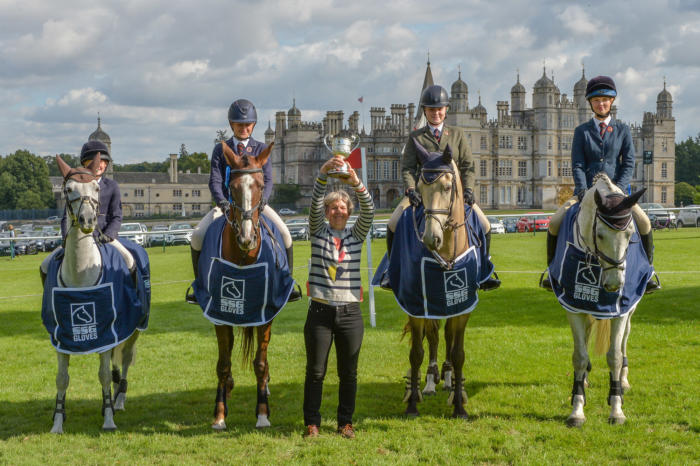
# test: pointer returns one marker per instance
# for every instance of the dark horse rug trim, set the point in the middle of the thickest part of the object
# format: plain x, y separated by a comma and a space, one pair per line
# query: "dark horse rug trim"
421, 287
576, 276
97, 318
242, 295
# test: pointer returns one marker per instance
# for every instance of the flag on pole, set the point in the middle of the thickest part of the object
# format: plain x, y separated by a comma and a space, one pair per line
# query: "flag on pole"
355, 159
361, 99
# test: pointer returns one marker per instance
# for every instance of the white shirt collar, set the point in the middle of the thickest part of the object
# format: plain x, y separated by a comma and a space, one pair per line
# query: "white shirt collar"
433, 128
606, 121
236, 141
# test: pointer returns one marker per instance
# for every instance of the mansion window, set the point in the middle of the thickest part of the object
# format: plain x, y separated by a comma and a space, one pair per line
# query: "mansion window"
177, 192
379, 170
138, 192
483, 194
196, 207
505, 142
664, 145
522, 168
549, 143
484, 144
138, 206
177, 207
196, 193
664, 170
564, 168
370, 170
522, 195
663, 194
505, 195
386, 169
482, 168
549, 168
522, 142
394, 169
505, 168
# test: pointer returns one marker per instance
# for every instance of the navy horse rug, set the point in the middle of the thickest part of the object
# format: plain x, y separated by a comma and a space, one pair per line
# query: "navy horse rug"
422, 288
97, 318
576, 276
242, 295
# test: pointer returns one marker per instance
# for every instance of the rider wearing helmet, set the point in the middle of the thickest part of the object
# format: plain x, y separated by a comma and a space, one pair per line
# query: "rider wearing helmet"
242, 117
435, 136
602, 144
109, 218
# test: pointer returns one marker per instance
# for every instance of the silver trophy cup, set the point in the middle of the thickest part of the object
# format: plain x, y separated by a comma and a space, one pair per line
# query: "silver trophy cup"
342, 146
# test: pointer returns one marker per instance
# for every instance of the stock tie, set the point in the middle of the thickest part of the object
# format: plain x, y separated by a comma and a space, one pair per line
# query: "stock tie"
603, 126
241, 148
437, 134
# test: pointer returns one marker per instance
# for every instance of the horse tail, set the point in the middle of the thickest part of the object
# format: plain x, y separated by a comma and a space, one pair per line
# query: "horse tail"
406, 330
247, 345
602, 336
432, 327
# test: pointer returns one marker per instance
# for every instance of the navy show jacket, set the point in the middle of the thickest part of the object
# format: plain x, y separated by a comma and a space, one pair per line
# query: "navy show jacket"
217, 177
612, 154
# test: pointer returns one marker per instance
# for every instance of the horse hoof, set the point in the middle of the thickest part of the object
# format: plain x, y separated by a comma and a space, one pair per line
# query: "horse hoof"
429, 392
617, 421
575, 421
263, 422
109, 427
57, 429
119, 402
460, 416
219, 425
411, 414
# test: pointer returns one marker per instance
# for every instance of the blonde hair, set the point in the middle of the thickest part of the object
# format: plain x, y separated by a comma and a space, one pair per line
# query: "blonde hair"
339, 196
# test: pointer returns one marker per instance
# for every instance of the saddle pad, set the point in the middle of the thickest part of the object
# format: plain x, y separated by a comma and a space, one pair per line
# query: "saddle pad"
576, 276
421, 287
242, 295
96, 318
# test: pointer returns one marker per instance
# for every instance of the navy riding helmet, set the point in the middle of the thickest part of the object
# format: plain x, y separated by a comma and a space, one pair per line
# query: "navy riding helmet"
242, 111
601, 86
435, 97
90, 148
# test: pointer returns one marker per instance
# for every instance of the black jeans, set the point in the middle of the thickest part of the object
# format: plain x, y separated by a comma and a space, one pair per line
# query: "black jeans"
323, 324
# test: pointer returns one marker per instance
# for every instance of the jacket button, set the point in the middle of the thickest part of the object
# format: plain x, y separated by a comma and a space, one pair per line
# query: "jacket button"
601, 160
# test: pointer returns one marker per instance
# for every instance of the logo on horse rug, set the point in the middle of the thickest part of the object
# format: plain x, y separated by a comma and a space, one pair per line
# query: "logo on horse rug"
422, 288
576, 275
242, 295
97, 318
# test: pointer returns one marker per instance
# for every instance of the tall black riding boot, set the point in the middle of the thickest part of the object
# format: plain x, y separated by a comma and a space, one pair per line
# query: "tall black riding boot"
648, 245
551, 250
492, 282
296, 292
384, 283
43, 277
189, 295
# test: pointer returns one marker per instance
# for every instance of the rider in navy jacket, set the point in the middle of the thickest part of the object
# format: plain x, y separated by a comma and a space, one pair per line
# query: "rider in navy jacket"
612, 154
217, 177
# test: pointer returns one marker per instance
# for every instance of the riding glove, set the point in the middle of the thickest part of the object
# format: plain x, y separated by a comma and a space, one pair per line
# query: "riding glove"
469, 196
223, 205
103, 238
414, 197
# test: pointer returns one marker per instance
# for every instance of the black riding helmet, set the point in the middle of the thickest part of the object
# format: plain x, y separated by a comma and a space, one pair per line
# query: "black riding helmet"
601, 86
242, 111
434, 96
90, 148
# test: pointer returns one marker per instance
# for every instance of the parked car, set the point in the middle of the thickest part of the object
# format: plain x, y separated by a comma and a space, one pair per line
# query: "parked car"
133, 232
26, 228
510, 224
497, 225
689, 217
659, 216
179, 233
53, 218
285, 211
159, 238
533, 221
298, 229
50, 241
379, 231
25, 246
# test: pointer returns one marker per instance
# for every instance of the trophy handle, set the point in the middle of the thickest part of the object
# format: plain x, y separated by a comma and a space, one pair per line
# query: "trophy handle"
354, 138
325, 142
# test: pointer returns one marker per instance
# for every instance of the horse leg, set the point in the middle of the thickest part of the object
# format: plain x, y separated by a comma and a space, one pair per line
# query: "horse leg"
262, 374
224, 338
625, 370
456, 327
126, 352
432, 375
589, 366
578, 323
62, 379
106, 381
614, 356
413, 395
447, 369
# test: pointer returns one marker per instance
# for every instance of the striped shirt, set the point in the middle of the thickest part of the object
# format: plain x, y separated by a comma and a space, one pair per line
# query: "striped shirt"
335, 256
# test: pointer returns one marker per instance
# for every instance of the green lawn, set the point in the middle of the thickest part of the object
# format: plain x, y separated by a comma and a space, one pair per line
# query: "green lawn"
518, 378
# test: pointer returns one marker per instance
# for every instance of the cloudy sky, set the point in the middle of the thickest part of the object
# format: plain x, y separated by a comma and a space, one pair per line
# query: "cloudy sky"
163, 73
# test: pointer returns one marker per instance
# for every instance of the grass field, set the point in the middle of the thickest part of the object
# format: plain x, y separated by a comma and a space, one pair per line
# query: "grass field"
518, 378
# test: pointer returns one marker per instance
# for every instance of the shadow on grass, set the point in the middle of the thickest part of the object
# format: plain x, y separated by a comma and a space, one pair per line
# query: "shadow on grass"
189, 413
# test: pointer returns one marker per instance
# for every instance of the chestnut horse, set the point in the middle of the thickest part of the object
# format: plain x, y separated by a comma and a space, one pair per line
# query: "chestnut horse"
240, 245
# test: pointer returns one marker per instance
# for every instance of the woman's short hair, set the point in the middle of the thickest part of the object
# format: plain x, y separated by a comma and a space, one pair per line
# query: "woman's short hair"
339, 196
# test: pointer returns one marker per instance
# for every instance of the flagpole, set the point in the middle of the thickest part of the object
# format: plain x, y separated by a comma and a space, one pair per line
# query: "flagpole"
370, 270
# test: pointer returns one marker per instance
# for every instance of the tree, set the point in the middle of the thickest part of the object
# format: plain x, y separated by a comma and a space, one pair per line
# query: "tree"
221, 135
193, 161
71, 160
688, 161
24, 182
685, 194
286, 194
157, 167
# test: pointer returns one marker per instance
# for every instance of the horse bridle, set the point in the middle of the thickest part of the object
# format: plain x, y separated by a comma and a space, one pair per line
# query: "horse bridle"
614, 263
449, 225
245, 214
92, 202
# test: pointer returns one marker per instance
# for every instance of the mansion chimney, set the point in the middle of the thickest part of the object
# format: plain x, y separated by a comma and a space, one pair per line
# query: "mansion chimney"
173, 168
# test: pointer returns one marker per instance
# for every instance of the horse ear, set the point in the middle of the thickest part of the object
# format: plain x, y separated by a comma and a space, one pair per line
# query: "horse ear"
598, 199
447, 155
63, 167
94, 163
264, 155
631, 200
230, 157
423, 154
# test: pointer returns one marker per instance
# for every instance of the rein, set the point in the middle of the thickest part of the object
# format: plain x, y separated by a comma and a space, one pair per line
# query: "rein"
449, 225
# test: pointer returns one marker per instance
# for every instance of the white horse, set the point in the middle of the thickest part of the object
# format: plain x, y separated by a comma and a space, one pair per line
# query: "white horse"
603, 229
81, 267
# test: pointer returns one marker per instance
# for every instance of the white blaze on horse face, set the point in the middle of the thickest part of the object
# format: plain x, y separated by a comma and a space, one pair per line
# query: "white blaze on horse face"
85, 212
436, 196
246, 236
